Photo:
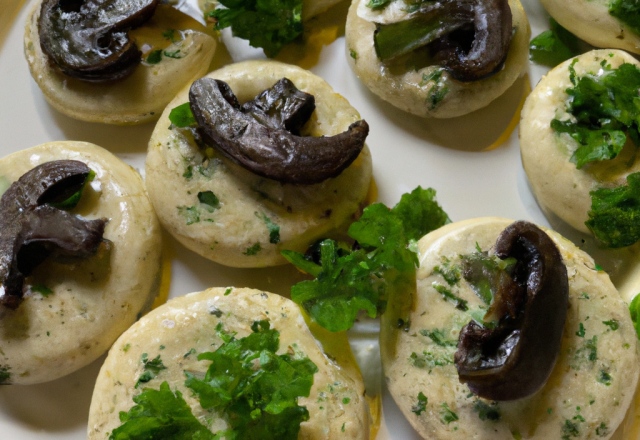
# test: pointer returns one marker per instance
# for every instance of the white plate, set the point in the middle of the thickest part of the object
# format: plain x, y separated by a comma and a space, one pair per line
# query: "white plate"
407, 151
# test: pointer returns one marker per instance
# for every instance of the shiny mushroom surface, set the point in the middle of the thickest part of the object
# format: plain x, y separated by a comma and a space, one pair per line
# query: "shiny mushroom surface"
32, 229
88, 39
515, 358
274, 153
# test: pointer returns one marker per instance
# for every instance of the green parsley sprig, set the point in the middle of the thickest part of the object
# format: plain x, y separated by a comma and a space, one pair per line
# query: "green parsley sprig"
348, 281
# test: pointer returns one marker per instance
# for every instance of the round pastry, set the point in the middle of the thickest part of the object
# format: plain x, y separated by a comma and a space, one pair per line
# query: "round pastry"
70, 285
413, 79
238, 217
172, 348
174, 49
594, 378
601, 23
551, 156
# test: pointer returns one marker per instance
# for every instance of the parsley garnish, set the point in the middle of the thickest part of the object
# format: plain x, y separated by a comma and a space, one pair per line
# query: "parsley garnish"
151, 368
190, 213
274, 229
627, 11
605, 109
614, 324
447, 295
253, 250
446, 415
269, 24
439, 338
154, 57
487, 412
438, 90
580, 331
604, 378
5, 375
160, 414
614, 217
41, 289
421, 406
209, 199
349, 281
554, 46
72, 201
634, 309
378, 4
181, 116
257, 389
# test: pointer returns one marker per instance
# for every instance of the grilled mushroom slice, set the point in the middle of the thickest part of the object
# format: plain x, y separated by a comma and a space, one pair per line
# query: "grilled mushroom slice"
87, 39
514, 359
274, 153
32, 229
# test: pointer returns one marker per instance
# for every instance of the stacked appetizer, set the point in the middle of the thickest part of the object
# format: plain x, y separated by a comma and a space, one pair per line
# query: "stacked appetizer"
117, 62
238, 183
80, 259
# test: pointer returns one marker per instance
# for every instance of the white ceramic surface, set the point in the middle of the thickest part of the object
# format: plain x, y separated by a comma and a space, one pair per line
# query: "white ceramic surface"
407, 151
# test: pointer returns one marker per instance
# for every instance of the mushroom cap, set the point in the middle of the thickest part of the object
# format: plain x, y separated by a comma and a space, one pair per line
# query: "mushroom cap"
407, 90
189, 322
304, 213
574, 378
93, 301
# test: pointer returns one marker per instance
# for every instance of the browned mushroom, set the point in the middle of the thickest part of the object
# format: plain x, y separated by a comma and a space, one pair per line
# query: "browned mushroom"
274, 153
479, 49
514, 359
470, 38
88, 39
31, 229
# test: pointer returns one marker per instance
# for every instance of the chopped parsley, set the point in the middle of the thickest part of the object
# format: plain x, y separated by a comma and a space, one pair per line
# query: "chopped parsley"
170, 34
450, 272
570, 429
253, 250
274, 229
428, 360
587, 353
256, 388
378, 4
189, 353
421, 406
190, 213
439, 338
351, 280
353, 54
228, 291
580, 331
151, 368
603, 111
487, 412
5, 375
446, 415
627, 11
447, 295
485, 272
613, 324
181, 116
269, 24
634, 309
614, 217
154, 57
41, 289
554, 46
175, 54
209, 200
438, 90
602, 430
604, 378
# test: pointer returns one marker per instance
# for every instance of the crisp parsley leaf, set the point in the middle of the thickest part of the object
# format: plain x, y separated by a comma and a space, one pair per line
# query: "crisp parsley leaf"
349, 281
627, 11
269, 24
634, 309
605, 109
256, 388
554, 46
160, 414
151, 368
614, 217
378, 4
181, 116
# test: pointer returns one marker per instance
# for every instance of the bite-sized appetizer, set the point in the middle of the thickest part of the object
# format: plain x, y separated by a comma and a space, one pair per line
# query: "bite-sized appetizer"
228, 363
579, 137
117, 62
512, 333
238, 183
79, 258
269, 24
437, 59
601, 23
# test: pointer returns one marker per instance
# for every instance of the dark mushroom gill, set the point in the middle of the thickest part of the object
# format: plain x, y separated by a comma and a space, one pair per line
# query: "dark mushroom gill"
268, 149
88, 39
514, 359
469, 38
32, 230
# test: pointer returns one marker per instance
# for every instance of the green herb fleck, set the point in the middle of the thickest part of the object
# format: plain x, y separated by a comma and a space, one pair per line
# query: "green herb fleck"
274, 229
438, 90
439, 338
628, 12
169, 34
421, 406
5, 375
126, 347
612, 324
209, 199
602, 430
188, 174
41, 289
580, 331
175, 54
190, 213
189, 353
588, 352
154, 57
346, 400
549, 410
181, 116
634, 309
428, 360
378, 4
450, 272
569, 429
228, 291
447, 295
342, 429
487, 412
353, 54
446, 415
614, 213
554, 46
151, 369
584, 295
269, 24
253, 250
604, 378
